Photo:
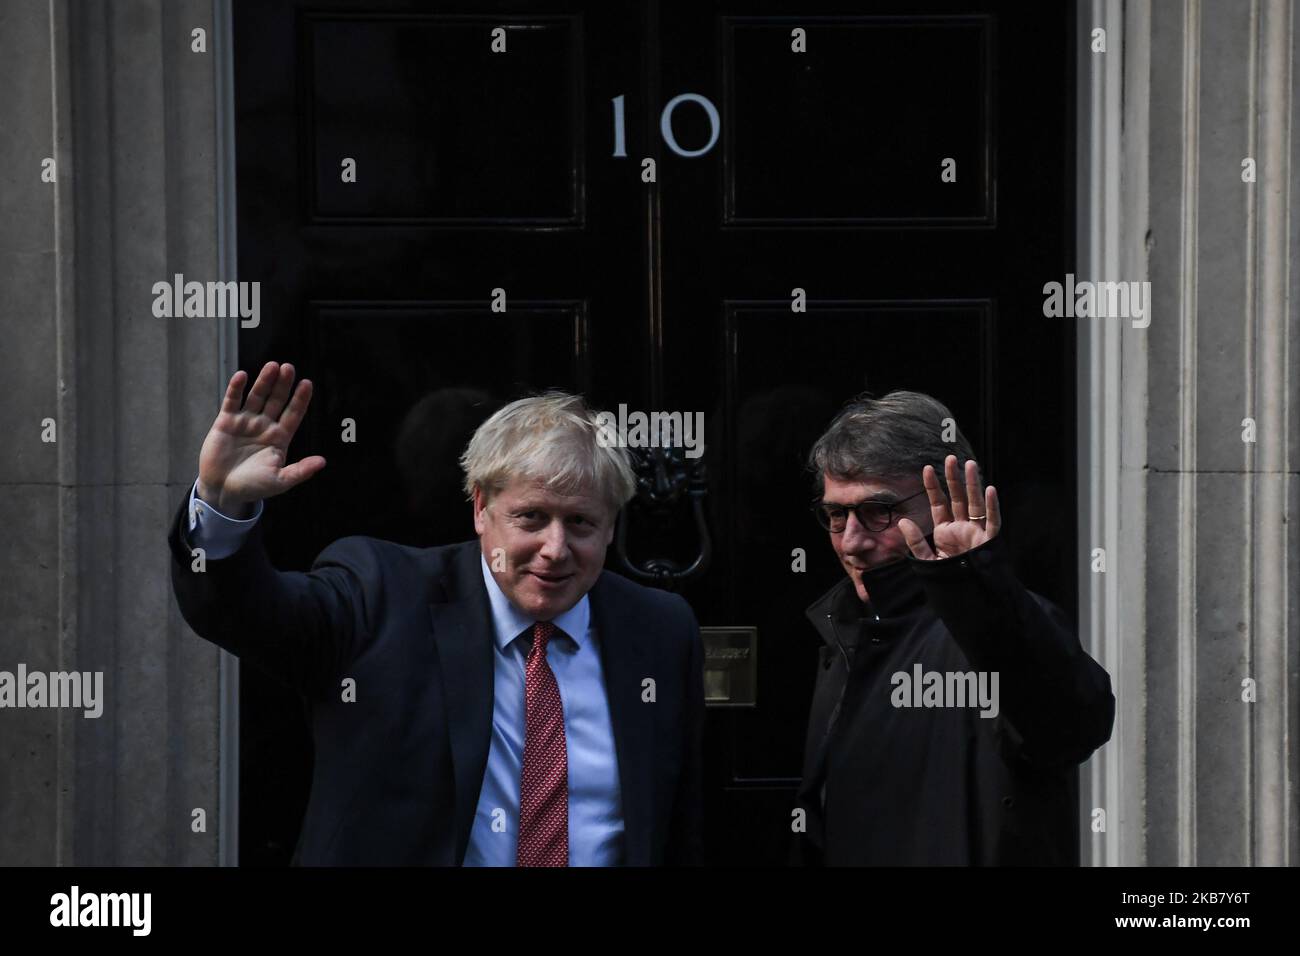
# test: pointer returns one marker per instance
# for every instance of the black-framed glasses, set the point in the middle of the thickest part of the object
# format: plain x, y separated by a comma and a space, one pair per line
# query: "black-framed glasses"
873, 514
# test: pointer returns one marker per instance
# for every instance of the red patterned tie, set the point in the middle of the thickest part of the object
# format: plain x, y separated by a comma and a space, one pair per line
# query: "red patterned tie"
544, 788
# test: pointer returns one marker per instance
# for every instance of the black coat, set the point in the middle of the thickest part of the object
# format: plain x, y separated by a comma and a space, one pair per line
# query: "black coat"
398, 771
892, 785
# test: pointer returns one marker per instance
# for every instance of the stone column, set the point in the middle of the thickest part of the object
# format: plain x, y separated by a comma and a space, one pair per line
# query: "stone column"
1190, 429
115, 95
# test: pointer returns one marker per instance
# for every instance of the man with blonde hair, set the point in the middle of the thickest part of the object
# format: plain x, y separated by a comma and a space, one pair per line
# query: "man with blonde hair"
512, 702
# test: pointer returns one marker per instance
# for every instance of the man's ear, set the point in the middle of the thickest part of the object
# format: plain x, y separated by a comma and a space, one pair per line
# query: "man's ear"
480, 506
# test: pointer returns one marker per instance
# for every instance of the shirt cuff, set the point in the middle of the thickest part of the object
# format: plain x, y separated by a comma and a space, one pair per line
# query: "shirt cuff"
218, 535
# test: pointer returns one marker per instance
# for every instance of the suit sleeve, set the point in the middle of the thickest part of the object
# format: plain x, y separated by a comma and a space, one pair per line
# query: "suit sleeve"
685, 845
1056, 702
299, 628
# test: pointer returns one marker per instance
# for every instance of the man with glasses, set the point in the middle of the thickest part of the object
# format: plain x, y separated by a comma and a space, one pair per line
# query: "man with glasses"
952, 706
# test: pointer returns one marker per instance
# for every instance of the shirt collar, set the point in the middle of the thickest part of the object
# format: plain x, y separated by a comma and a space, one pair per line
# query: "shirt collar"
508, 622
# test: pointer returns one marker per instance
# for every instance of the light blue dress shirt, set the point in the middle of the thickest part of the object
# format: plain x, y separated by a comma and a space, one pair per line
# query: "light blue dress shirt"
595, 803
595, 795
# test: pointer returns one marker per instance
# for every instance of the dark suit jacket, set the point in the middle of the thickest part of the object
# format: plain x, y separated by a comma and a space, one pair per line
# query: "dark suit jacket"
398, 771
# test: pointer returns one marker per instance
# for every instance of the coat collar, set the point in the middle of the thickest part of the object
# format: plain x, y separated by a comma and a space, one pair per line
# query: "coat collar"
894, 589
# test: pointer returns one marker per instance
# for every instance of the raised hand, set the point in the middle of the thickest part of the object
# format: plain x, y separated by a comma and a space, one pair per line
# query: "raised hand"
243, 457
973, 518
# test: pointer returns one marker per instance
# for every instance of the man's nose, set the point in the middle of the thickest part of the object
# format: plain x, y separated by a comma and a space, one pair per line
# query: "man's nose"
856, 537
555, 542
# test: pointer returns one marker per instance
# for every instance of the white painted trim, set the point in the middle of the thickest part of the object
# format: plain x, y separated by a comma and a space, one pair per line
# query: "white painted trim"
1103, 224
1187, 453
1272, 648
1126, 645
64, 189
1250, 338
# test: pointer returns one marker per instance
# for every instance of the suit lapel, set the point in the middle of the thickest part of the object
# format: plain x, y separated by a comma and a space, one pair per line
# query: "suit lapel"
623, 643
462, 626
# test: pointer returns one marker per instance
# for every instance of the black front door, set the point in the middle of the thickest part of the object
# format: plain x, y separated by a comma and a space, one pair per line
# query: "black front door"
448, 207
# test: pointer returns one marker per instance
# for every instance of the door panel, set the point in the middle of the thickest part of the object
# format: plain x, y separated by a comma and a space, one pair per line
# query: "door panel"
824, 137
392, 92
828, 180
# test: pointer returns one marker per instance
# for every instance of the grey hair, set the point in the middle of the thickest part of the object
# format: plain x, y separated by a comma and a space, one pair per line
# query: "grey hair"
550, 439
889, 438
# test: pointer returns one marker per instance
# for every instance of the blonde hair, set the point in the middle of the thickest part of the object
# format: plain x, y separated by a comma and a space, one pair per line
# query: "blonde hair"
550, 439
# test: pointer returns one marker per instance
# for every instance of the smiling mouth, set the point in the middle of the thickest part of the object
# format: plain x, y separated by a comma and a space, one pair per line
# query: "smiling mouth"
551, 579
